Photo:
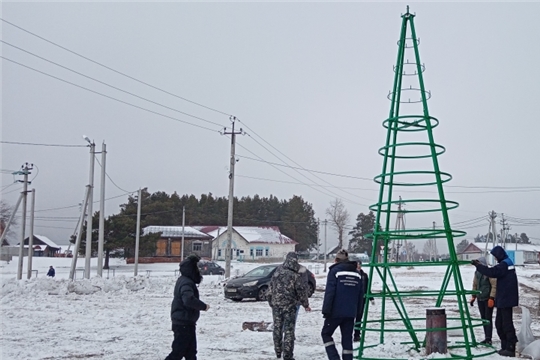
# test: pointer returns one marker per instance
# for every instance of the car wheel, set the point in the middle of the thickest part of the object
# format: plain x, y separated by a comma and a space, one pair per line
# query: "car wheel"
236, 300
311, 289
261, 295
211, 273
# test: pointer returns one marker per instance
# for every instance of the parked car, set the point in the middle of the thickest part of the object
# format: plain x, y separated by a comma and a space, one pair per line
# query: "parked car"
255, 283
210, 268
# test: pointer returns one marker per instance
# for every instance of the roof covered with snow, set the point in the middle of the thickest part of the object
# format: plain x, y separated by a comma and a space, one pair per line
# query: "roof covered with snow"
252, 234
43, 239
175, 232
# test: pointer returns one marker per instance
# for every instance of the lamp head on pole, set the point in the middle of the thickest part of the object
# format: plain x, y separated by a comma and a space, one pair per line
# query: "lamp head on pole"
87, 139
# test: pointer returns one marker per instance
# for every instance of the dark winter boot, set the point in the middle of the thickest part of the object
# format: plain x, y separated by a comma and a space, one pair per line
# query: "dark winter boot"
486, 342
510, 351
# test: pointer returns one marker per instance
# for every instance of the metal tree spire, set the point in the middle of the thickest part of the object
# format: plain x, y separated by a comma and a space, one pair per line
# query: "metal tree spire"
411, 161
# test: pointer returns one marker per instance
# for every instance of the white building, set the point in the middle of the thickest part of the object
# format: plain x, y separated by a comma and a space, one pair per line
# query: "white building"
249, 242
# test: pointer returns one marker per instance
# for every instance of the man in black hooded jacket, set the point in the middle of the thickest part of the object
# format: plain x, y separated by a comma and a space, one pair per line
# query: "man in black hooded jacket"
185, 310
506, 298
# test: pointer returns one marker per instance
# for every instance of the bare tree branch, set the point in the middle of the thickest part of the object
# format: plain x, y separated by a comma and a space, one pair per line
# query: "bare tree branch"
339, 217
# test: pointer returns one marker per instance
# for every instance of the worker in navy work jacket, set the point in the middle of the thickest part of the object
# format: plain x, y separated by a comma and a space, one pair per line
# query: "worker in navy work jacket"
506, 298
342, 304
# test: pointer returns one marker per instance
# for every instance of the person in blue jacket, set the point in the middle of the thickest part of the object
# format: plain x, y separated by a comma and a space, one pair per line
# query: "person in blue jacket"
51, 271
185, 310
506, 298
342, 304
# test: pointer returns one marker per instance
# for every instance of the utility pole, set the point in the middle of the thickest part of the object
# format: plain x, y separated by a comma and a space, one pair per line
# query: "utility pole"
101, 236
504, 230
231, 197
31, 235
79, 234
325, 251
493, 232
183, 229
88, 250
435, 251
318, 238
25, 171
138, 232
4, 234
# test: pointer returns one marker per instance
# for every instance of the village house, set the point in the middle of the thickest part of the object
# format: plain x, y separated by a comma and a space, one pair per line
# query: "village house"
170, 241
42, 246
249, 242
470, 252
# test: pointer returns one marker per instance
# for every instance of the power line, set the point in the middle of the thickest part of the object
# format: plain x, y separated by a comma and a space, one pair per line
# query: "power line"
106, 174
73, 206
311, 186
107, 96
36, 144
113, 70
111, 86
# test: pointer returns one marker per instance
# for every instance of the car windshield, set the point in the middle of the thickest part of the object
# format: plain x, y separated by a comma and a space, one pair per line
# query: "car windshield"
261, 271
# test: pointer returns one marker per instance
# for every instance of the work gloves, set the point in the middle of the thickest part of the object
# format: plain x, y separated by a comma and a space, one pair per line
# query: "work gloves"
475, 262
491, 302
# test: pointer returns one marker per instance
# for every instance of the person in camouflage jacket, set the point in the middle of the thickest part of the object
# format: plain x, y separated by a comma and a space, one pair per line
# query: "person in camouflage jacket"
287, 289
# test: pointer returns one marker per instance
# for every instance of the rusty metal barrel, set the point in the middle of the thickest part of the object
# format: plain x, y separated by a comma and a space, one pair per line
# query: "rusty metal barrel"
436, 340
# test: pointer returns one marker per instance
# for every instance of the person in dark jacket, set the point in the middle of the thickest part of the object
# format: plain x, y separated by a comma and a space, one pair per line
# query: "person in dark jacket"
342, 304
185, 310
51, 271
287, 289
506, 298
365, 283
486, 299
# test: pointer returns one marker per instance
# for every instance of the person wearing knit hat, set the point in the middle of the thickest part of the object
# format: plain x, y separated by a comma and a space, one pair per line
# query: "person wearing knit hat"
486, 299
341, 305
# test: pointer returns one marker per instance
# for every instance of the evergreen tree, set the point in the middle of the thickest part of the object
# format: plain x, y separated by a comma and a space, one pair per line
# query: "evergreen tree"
359, 243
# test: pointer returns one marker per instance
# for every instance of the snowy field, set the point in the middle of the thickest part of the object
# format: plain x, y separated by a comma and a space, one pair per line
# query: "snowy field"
122, 317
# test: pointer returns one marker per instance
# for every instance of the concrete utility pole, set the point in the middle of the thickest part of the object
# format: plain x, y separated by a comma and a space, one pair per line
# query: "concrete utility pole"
325, 251
25, 171
231, 197
492, 230
504, 230
318, 238
101, 236
79, 234
4, 234
138, 232
31, 235
183, 227
400, 226
88, 250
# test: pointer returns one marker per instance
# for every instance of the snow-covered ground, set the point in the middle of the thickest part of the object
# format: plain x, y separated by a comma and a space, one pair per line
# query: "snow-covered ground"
122, 317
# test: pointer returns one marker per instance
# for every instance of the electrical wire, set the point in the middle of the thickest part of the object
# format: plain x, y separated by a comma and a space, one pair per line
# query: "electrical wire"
111, 86
113, 70
107, 96
95, 202
106, 174
36, 144
311, 186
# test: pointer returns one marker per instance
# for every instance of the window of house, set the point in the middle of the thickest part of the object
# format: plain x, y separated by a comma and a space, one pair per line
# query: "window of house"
267, 252
251, 252
219, 253
259, 252
197, 246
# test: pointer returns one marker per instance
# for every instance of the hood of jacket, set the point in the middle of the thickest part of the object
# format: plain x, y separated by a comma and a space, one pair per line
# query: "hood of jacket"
291, 262
499, 253
189, 269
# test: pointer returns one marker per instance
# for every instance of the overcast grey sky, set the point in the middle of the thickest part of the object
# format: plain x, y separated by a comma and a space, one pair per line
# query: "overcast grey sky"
310, 79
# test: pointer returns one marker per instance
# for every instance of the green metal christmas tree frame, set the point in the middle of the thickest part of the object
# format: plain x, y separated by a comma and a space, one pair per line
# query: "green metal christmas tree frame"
388, 205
